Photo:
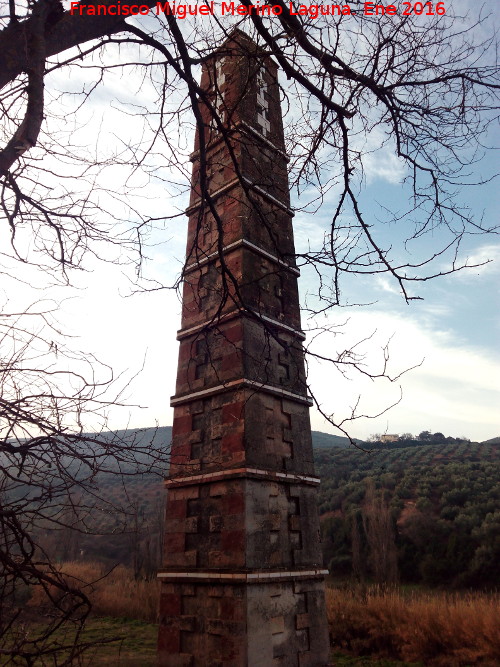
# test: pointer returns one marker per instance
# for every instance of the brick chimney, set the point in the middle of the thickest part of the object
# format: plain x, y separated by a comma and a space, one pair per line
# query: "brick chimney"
242, 583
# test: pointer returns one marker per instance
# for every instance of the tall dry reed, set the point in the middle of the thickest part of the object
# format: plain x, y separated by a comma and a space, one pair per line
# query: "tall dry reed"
435, 628
113, 592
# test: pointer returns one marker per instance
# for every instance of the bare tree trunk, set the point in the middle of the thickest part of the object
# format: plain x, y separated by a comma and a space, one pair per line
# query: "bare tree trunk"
380, 534
357, 560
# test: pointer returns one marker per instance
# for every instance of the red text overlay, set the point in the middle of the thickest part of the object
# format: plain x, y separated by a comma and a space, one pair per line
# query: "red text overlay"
312, 11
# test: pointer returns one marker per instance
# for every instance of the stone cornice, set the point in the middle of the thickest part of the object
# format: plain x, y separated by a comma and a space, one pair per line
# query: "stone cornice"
245, 577
238, 473
234, 246
235, 182
242, 383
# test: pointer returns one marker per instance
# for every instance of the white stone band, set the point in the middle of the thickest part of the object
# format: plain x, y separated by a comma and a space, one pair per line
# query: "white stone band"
241, 124
234, 183
234, 246
234, 384
203, 478
244, 577
184, 333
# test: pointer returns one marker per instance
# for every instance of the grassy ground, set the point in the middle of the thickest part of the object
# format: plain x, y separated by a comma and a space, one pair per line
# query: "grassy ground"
121, 642
343, 660
124, 642
369, 626
135, 645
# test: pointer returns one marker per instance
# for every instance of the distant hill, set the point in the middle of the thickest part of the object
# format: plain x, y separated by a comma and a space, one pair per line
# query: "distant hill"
127, 519
442, 503
327, 440
158, 436
161, 436
164, 434
492, 441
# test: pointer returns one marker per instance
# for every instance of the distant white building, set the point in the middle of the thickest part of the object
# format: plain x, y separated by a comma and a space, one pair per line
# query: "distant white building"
389, 437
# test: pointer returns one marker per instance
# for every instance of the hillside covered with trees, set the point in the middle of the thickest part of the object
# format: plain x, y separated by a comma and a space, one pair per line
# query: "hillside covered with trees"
424, 513
410, 510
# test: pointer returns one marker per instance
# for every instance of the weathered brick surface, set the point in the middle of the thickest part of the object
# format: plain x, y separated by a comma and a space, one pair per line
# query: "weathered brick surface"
272, 614
241, 413
222, 622
211, 629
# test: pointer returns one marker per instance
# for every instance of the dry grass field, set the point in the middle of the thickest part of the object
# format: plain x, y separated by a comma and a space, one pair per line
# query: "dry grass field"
436, 629
373, 626
113, 593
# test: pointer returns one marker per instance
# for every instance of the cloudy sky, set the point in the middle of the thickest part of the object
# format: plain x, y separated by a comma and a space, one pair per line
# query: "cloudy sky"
449, 338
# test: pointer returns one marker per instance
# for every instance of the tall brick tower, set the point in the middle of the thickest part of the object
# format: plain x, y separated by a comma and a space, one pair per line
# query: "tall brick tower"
242, 583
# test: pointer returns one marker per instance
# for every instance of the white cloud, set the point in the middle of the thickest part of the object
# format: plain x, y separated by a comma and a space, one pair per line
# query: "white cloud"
455, 390
487, 257
386, 285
